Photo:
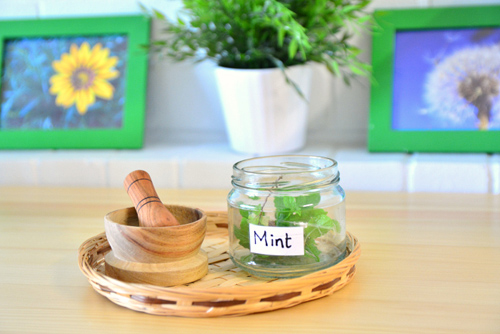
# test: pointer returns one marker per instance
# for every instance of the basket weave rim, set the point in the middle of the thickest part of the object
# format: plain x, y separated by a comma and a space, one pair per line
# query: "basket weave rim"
289, 282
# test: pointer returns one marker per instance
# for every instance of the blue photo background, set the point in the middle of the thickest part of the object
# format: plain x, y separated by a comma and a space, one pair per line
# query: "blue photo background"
26, 102
417, 54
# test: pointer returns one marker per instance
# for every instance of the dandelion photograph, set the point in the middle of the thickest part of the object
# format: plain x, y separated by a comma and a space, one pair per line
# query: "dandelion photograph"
446, 79
64, 82
436, 80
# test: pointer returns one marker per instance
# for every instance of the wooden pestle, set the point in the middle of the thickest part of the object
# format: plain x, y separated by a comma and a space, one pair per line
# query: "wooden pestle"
149, 207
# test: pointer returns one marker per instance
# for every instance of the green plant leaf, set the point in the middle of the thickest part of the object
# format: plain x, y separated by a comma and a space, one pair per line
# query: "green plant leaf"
249, 215
242, 233
364, 19
309, 200
349, 9
281, 36
159, 15
335, 67
311, 249
357, 70
293, 209
143, 8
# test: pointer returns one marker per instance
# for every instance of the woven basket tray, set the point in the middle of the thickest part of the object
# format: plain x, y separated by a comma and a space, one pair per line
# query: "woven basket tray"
225, 291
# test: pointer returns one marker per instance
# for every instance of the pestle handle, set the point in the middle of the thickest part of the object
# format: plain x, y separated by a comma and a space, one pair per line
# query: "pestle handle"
149, 207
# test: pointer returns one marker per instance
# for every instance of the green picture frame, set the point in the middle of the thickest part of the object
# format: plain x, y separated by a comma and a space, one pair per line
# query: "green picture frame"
73, 83
383, 136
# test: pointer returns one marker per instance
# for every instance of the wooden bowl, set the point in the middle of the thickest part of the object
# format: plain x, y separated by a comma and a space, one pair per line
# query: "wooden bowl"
133, 243
165, 256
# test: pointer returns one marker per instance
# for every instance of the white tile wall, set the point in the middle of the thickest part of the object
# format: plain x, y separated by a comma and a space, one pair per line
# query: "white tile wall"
442, 3
399, 4
64, 171
20, 171
209, 166
449, 173
20, 9
495, 174
66, 8
163, 172
381, 172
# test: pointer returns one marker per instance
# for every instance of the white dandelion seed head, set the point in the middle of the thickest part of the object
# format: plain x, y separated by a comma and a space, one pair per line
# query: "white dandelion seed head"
442, 84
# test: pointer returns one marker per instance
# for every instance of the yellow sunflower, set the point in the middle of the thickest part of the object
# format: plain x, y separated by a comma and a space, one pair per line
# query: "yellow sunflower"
81, 75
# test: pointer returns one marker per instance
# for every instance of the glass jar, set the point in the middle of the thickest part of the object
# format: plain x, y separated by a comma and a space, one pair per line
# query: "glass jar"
286, 215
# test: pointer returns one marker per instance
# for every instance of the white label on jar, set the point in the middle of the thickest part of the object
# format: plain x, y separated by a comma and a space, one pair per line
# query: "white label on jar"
272, 240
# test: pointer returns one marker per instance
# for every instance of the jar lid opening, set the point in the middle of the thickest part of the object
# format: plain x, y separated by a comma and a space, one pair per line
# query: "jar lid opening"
285, 172
285, 164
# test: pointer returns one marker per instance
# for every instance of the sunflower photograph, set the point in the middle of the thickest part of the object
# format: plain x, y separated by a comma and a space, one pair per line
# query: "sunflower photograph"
64, 83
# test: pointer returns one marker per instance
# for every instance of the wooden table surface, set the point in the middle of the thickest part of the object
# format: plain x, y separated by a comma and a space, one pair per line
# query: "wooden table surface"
430, 263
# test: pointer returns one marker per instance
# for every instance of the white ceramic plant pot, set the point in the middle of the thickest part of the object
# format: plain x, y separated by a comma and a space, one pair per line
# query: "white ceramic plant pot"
264, 115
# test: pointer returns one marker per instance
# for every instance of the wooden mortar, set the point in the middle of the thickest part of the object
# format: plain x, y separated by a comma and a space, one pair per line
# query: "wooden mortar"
160, 255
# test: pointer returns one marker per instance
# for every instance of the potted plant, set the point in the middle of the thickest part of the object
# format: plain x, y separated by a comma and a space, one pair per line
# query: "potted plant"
262, 48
